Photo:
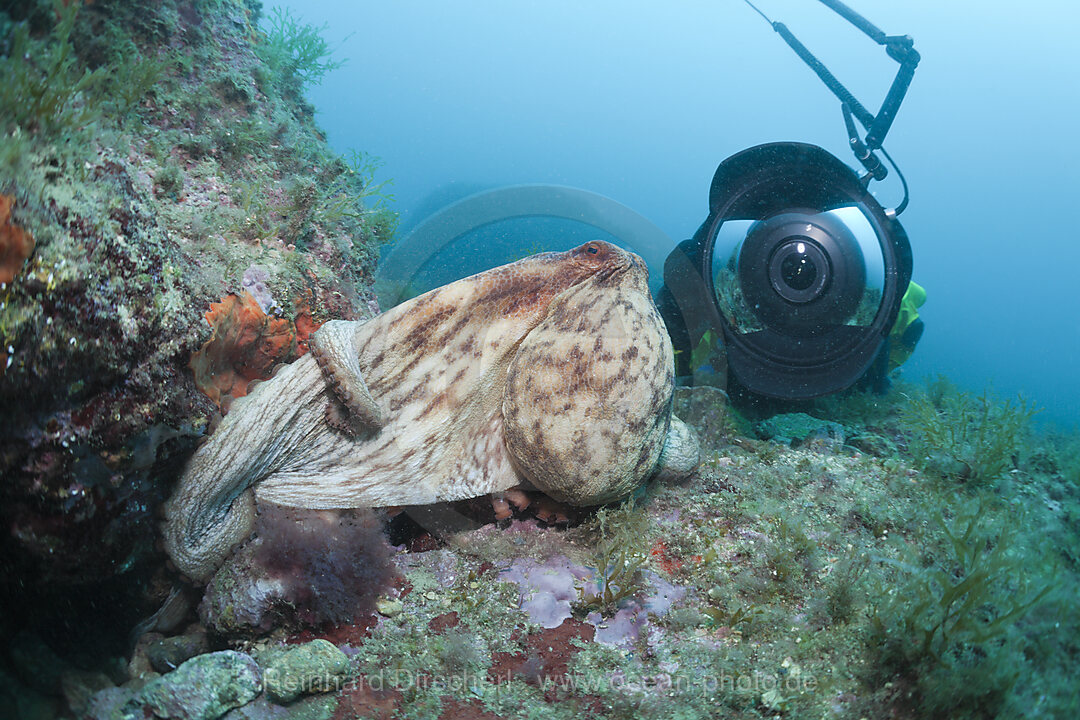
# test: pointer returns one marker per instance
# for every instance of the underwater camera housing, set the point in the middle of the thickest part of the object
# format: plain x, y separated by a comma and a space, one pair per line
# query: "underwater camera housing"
797, 264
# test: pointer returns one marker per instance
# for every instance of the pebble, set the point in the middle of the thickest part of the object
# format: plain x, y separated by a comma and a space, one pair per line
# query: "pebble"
203, 688
388, 607
317, 666
167, 654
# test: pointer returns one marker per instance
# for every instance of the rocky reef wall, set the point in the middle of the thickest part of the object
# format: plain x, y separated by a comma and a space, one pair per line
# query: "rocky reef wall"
174, 225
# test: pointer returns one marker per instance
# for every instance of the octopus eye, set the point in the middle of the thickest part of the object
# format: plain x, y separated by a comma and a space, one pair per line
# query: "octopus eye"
592, 248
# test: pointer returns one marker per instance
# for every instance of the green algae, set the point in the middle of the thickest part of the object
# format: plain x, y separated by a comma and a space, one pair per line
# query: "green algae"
621, 553
117, 204
203, 688
46, 89
970, 436
294, 53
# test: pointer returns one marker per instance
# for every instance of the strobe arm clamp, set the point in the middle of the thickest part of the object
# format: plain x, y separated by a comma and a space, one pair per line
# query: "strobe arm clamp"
899, 47
863, 154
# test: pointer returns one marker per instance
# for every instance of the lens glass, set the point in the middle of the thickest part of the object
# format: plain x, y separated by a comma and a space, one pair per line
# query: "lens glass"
797, 270
801, 283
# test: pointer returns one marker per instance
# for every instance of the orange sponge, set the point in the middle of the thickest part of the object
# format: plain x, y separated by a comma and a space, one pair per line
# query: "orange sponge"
16, 244
305, 323
247, 344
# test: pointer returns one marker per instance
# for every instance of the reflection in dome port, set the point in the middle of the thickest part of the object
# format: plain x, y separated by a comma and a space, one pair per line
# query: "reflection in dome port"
798, 272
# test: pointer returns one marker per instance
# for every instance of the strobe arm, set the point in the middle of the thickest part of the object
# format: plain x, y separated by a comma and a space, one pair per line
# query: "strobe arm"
899, 47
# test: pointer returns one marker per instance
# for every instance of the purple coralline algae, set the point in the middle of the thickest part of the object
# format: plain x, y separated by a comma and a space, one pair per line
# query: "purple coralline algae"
255, 282
550, 589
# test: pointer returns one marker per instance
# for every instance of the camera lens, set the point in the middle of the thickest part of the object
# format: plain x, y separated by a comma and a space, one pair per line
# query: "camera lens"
797, 270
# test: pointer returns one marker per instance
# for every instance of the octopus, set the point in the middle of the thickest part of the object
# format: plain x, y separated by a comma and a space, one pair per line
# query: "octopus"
553, 373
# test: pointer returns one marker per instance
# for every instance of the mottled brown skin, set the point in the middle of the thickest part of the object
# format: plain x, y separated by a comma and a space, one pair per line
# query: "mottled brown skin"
588, 396
408, 408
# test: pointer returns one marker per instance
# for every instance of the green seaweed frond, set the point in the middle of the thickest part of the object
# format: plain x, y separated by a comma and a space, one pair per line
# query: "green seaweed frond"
617, 579
362, 169
620, 555
45, 88
743, 615
972, 595
134, 77
972, 437
295, 53
353, 195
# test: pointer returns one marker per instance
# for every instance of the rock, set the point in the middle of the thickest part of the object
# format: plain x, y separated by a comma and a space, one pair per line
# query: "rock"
317, 666
872, 444
108, 704
24, 703
114, 291
797, 429
36, 664
242, 599
708, 411
388, 607
139, 667
167, 654
80, 686
304, 568
315, 707
827, 438
203, 688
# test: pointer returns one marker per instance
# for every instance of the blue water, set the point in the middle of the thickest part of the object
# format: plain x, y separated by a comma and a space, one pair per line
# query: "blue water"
639, 101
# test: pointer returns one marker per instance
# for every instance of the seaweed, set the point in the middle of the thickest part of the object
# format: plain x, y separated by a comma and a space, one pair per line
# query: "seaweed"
744, 615
294, 53
353, 193
952, 621
250, 198
968, 598
45, 88
843, 592
169, 181
362, 168
331, 565
620, 555
959, 434
133, 78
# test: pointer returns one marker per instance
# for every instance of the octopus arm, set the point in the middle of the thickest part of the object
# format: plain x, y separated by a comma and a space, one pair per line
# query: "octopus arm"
212, 508
334, 349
